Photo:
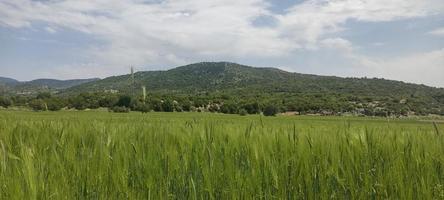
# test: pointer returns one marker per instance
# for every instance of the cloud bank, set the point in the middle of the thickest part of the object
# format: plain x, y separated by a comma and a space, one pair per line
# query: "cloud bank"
174, 32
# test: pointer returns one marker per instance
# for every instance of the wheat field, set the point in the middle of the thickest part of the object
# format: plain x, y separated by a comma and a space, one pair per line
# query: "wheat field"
101, 155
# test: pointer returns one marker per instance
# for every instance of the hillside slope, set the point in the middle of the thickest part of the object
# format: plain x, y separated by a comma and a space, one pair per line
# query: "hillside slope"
243, 85
57, 84
230, 77
12, 86
8, 81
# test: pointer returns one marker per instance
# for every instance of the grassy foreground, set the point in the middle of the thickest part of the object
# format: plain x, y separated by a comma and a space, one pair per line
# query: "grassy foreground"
100, 155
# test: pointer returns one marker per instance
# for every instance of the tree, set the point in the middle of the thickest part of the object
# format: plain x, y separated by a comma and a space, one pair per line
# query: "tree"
43, 95
144, 108
54, 104
108, 101
78, 103
124, 101
198, 102
5, 102
156, 104
252, 108
167, 106
243, 112
135, 103
85, 100
20, 100
271, 110
177, 107
38, 105
229, 108
186, 106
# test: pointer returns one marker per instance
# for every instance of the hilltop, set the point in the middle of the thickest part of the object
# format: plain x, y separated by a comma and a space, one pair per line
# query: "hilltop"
8, 81
210, 85
231, 82
231, 77
12, 86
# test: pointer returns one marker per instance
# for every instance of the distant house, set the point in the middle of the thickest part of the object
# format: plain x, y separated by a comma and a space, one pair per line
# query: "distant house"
24, 93
290, 113
112, 91
325, 112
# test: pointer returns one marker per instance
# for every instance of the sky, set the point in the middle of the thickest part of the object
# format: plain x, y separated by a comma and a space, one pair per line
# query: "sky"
65, 39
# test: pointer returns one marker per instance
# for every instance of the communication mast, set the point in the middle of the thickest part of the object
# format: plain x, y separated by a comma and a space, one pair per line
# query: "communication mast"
144, 93
133, 82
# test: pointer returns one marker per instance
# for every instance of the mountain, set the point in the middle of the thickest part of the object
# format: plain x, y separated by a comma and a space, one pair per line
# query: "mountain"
8, 81
241, 85
13, 86
231, 77
58, 84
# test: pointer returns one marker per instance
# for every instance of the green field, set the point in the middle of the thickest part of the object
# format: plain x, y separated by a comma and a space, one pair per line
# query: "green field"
101, 155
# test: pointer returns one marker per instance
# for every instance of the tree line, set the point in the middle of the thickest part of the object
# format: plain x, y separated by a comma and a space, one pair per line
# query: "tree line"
124, 103
325, 104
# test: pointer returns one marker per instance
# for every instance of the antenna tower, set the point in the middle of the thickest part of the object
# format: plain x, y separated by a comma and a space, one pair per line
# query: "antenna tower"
144, 93
133, 81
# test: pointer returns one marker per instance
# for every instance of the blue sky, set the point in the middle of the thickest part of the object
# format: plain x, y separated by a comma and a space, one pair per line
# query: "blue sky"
393, 39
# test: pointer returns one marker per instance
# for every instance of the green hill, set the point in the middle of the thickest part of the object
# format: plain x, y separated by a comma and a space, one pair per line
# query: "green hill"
56, 84
8, 81
12, 86
239, 84
231, 77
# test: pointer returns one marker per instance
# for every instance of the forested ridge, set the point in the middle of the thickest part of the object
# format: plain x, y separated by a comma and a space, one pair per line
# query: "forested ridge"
233, 88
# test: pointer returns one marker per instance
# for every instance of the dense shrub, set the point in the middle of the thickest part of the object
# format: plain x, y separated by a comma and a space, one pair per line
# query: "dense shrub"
243, 112
186, 106
20, 100
120, 109
229, 108
271, 110
156, 105
54, 104
44, 95
252, 108
84, 101
108, 101
167, 106
213, 108
124, 101
5, 102
38, 105
144, 108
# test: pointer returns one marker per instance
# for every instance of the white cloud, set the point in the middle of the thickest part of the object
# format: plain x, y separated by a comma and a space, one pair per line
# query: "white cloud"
426, 68
312, 20
50, 30
84, 70
140, 33
173, 32
218, 27
437, 32
340, 44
